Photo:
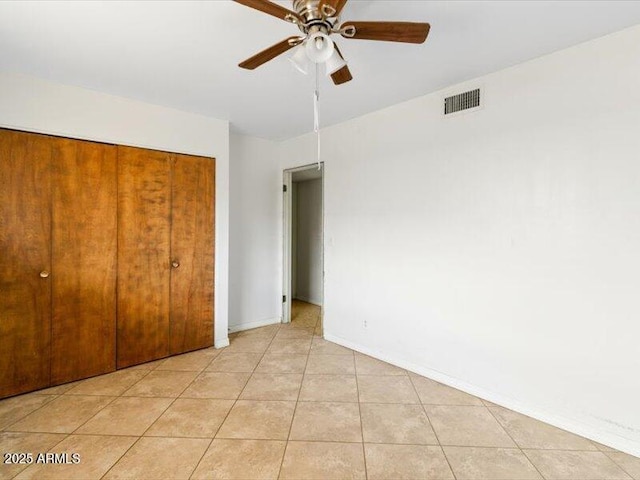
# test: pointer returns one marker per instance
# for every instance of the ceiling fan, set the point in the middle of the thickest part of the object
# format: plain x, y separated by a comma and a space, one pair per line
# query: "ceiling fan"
317, 20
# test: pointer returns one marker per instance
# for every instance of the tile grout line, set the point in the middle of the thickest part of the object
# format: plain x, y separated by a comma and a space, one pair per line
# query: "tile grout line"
515, 443
306, 363
617, 464
152, 423
235, 401
364, 452
68, 435
295, 409
444, 454
55, 397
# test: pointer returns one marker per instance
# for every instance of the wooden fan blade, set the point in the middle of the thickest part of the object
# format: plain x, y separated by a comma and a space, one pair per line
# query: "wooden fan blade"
336, 5
268, 54
344, 74
269, 8
407, 32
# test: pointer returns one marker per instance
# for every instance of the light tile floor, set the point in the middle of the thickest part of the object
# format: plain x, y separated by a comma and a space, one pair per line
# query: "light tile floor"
280, 402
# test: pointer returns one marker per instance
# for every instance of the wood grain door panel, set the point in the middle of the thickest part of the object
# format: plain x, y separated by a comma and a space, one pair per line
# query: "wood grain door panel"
25, 252
84, 244
192, 246
144, 233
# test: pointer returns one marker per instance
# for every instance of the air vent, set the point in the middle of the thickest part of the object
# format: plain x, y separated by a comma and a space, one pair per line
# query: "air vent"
462, 101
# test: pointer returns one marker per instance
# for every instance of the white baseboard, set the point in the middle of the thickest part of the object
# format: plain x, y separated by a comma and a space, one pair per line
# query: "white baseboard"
577, 425
240, 327
221, 342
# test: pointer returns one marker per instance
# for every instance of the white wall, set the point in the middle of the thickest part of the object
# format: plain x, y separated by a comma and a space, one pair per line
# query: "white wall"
308, 239
499, 251
32, 104
255, 256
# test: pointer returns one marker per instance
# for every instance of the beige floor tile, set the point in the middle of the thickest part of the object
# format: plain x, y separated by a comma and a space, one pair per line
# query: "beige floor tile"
97, 454
15, 408
393, 423
473, 463
59, 389
161, 383
266, 331
272, 386
220, 385
159, 458
287, 346
366, 365
330, 422
310, 322
258, 420
191, 417
410, 462
146, 366
628, 463
434, 393
487, 403
294, 332
189, 362
320, 346
530, 433
323, 461
467, 426
241, 460
234, 362
24, 443
62, 415
329, 388
386, 389
568, 465
111, 384
331, 364
126, 416
248, 344
273, 363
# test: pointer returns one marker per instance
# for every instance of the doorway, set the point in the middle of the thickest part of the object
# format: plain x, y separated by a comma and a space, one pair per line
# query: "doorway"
303, 269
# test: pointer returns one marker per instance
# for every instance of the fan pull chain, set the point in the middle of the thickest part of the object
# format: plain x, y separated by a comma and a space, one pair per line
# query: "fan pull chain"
316, 115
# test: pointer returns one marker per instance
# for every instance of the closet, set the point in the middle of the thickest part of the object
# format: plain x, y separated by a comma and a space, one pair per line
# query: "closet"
165, 254
106, 258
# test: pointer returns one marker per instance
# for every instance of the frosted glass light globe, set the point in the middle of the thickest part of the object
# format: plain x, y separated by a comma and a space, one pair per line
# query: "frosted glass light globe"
319, 47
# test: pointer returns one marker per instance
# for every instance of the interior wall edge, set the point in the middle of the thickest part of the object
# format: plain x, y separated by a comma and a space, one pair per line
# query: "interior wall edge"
564, 421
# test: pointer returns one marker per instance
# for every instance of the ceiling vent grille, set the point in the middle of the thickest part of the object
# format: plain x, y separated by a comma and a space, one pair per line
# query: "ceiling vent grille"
462, 101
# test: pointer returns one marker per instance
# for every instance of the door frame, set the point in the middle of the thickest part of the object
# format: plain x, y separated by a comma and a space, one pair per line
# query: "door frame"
287, 237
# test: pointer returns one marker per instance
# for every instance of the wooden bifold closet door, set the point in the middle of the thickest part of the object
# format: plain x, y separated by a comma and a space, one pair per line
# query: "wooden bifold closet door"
192, 253
106, 258
25, 262
165, 254
144, 239
84, 195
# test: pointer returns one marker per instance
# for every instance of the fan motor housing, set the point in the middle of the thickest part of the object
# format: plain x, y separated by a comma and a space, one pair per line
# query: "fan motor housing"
307, 9
314, 20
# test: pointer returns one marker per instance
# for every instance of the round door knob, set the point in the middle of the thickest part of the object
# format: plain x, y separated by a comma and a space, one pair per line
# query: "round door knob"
175, 264
44, 274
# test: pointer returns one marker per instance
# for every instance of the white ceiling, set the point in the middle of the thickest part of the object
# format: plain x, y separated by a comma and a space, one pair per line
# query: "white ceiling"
184, 54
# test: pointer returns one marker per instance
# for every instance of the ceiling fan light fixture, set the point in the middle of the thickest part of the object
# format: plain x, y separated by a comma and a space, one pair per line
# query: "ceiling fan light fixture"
319, 47
300, 60
334, 63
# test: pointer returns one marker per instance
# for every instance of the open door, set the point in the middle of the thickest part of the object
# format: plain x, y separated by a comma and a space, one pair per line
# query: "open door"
303, 246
